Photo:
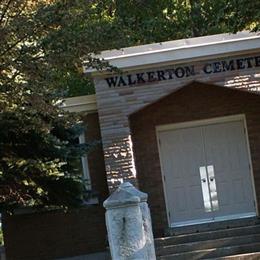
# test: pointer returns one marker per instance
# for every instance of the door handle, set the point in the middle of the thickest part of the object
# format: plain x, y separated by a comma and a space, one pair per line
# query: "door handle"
209, 189
213, 188
205, 189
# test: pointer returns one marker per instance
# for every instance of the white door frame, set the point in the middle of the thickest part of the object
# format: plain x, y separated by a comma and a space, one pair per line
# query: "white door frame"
204, 122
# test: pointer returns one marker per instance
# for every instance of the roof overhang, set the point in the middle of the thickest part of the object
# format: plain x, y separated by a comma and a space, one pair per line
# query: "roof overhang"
179, 51
86, 104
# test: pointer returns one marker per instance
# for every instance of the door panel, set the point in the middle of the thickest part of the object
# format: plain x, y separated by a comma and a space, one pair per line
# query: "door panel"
182, 155
207, 174
226, 149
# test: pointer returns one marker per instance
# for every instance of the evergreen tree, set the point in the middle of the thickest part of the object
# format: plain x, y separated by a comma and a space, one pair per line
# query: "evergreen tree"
37, 144
37, 138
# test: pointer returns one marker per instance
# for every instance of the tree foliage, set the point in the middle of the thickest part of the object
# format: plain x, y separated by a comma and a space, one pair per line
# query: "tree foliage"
48, 40
36, 143
37, 138
43, 45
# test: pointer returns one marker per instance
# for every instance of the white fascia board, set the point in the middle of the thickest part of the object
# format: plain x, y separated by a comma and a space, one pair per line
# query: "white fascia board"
87, 104
181, 54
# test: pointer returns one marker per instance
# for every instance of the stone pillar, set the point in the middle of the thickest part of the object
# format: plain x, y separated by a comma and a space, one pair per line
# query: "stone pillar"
129, 224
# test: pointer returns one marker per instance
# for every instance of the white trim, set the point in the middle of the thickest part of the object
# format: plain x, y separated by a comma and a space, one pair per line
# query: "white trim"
196, 123
251, 165
92, 200
163, 177
176, 44
84, 163
180, 51
202, 122
85, 103
217, 219
179, 47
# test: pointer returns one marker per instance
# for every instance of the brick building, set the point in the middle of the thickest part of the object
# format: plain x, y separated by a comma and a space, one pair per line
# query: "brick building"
181, 121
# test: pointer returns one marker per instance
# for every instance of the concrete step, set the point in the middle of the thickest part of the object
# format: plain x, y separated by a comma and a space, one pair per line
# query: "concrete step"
242, 222
208, 244
250, 256
207, 235
214, 253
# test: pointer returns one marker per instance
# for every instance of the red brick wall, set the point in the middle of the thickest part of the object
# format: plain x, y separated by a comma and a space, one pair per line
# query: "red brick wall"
194, 102
96, 156
51, 235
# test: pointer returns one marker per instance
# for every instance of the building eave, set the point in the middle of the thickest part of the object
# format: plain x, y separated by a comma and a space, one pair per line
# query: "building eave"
86, 104
200, 48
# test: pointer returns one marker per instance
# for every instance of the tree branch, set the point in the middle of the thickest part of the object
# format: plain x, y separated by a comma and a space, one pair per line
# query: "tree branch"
194, 15
5, 10
13, 45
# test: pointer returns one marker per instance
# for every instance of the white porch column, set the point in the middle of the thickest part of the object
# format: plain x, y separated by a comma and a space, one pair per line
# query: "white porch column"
129, 224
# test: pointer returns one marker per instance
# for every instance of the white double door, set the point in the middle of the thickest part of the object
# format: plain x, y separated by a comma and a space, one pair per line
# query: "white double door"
207, 174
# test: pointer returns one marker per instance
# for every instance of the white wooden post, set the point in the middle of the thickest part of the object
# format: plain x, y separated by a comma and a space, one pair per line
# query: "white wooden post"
129, 224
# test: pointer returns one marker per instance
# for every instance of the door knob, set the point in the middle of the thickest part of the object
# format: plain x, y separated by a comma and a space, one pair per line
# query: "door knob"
209, 189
